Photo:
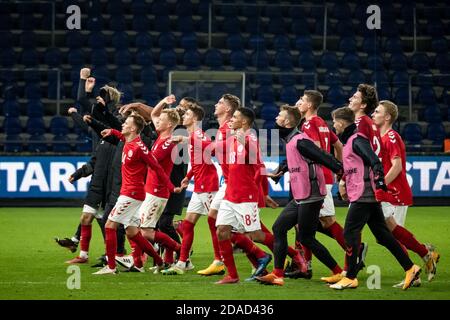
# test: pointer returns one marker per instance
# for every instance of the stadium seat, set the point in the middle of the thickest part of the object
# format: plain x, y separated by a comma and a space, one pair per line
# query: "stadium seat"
432, 114
35, 108
276, 26
238, 59
384, 93
420, 61
61, 143
27, 40
412, 133
287, 80
59, 125
400, 78
140, 23
127, 91
260, 59
347, 45
35, 125
442, 62
143, 40
166, 41
168, 58
235, 42
401, 96
375, 62
148, 75
124, 74
393, 45
303, 44
439, 45
122, 58
11, 125
213, 59
13, 143
256, 42
281, 42
184, 7
379, 77
95, 23
264, 77
117, 24
99, 57
76, 57
307, 62
332, 78
162, 24
120, 40
329, 61
53, 57
192, 59
426, 96
11, 108
188, 41
37, 143
356, 77
231, 25
345, 28
283, 60
74, 40
185, 24
160, 8
32, 91
140, 7
336, 96
289, 95
96, 40
30, 58
436, 133
8, 57
269, 112
265, 94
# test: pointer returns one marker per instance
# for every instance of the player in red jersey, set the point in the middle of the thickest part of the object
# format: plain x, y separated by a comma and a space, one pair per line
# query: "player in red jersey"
239, 208
206, 182
157, 193
135, 160
317, 129
395, 202
224, 110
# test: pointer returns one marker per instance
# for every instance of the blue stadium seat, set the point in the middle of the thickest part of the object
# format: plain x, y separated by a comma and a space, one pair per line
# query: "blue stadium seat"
287, 79
303, 44
420, 62
393, 45
300, 27
281, 42
426, 96
283, 60
149, 75
11, 108
254, 26
95, 23
166, 41
370, 44
384, 93
265, 94
356, 77
307, 62
412, 133
398, 62
124, 74
61, 143
35, 108
140, 7
143, 40
264, 77
401, 96
188, 41
97, 40
442, 62
332, 78
336, 96
7, 57
76, 57
273, 11
238, 59
185, 24
400, 78
59, 125
35, 126
308, 80
351, 61
13, 143
150, 93
53, 57
231, 25
37, 143
329, 61
141, 23
213, 59
144, 57
99, 57
432, 114
276, 26
256, 42
379, 77
27, 40
269, 111
122, 58
345, 28
341, 11
289, 95
439, 45
168, 58
32, 91
184, 8
436, 133
260, 59
375, 62
192, 59
435, 28
162, 24
115, 8
74, 40
12, 125
120, 40
424, 79
347, 45
235, 42
6, 39
117, 24
160, 8
29, 58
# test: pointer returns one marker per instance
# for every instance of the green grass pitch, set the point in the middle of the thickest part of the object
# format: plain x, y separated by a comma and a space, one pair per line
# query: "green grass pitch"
32, 265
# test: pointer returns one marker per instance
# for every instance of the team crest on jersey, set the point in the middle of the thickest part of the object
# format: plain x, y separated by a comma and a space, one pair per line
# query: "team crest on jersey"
130, 153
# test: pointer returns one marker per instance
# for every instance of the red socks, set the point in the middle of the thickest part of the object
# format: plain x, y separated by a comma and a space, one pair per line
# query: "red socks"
188, 238
268, 240
111, 246
409, 241
136, 252
278, 272
215, 240
167, 241
226, 251
86, 233
147, 247
337, 233
247, 245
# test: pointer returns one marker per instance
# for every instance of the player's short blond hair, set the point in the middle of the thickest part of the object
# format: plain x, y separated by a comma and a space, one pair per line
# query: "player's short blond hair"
173, 116
293, 114
391, 109
344, 113
233, 102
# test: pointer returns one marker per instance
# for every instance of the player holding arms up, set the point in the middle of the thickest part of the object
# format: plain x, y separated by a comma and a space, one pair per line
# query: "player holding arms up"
135, 160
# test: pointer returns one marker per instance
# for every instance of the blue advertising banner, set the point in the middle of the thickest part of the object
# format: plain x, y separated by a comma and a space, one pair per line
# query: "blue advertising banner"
47, 177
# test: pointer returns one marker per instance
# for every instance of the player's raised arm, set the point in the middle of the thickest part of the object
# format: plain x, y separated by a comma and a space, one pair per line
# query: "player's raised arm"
156, 112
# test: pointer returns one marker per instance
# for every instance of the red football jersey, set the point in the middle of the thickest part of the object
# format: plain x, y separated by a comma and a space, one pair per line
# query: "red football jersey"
136, 159
366, 126
399, 192
244, 165
202, 168
162, 150
317, 129
221, 150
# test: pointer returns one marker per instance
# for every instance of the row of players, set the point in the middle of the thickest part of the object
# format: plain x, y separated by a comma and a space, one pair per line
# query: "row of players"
233, 214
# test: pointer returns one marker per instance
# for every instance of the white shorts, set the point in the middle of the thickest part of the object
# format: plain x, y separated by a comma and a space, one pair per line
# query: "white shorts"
200, 203
126, 212
97, 213
151, 210
243, 217
215, 204
328, 204
398, 212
